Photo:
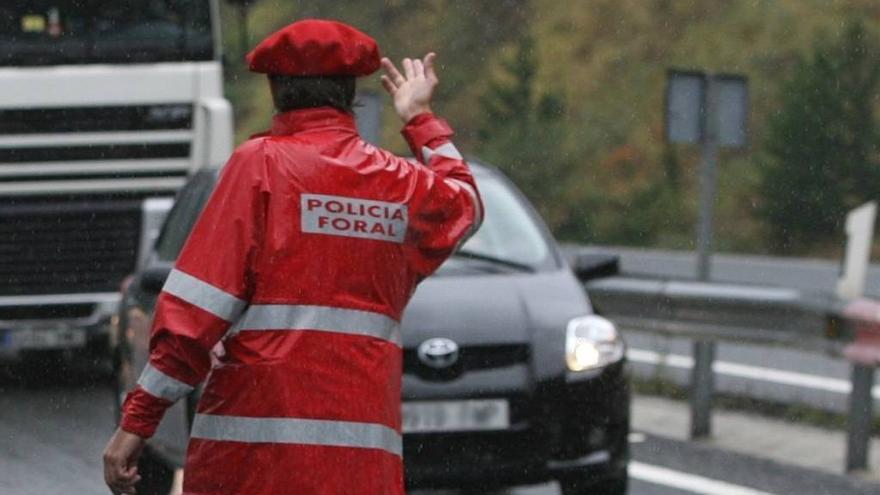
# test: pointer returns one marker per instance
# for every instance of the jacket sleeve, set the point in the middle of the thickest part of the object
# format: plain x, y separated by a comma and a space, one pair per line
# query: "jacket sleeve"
205, 293
447, 208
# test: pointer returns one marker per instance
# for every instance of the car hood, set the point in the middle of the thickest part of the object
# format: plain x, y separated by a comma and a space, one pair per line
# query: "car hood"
497, 308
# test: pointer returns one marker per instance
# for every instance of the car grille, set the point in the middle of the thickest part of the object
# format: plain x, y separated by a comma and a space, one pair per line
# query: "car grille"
473, 450
113, 149
95, 119
94, 152
37, 312
49, 247
71, 183
471, 358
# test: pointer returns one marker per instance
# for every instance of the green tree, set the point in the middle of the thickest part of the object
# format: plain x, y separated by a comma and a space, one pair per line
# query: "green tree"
821, 145
523, 134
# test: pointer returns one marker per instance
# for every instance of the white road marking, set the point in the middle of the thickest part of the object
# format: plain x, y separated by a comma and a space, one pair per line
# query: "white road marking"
689, 482
759, 373
636, 437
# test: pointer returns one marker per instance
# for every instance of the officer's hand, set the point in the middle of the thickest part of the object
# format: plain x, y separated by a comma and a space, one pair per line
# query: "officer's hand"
412, 90
120, 462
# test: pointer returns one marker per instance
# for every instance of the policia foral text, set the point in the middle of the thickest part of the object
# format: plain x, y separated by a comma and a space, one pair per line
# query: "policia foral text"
301, 264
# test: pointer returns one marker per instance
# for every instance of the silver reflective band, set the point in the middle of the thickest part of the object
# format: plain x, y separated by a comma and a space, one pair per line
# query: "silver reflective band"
447, 150
203, 295
478, 210
297, 431
322, 318
160, 385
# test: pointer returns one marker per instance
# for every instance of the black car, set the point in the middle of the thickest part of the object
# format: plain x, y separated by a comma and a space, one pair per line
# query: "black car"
509, 376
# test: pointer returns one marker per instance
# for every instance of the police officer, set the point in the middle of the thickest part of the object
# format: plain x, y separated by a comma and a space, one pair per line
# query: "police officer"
301, 264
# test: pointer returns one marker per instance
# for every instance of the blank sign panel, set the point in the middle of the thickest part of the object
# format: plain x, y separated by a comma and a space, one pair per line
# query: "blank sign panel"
684, 107
732, 99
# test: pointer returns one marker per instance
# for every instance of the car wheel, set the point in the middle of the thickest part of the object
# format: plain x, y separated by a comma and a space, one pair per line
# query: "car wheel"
611, 486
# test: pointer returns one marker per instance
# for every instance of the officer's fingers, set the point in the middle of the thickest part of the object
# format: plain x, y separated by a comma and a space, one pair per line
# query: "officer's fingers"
114, 469
408, 69
117, 474
124, 489
131, 473
127, 486
418, 68
429, 67
118, 486
393, 74
388, 85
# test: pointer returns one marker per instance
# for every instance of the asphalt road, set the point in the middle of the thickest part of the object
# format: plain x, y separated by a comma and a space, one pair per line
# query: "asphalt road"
52, 432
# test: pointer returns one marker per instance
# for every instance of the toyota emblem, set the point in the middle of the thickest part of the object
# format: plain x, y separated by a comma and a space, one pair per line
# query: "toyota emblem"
438, 353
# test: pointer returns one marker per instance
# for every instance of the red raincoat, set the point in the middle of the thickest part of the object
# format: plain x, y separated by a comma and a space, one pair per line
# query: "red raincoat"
302, 262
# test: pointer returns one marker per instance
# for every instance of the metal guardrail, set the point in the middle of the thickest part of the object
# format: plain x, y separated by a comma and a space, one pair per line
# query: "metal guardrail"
741, 313
709, 313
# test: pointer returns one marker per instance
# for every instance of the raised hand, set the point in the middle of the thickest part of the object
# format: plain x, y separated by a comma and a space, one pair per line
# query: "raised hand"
412, 91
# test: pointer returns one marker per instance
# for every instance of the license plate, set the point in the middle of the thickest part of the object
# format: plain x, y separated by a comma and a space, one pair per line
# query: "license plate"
465, 415
44, 339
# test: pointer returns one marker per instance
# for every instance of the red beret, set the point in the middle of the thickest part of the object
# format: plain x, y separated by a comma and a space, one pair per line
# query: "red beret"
316, 48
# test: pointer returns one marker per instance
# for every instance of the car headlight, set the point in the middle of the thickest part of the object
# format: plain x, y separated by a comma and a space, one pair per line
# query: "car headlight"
591, 342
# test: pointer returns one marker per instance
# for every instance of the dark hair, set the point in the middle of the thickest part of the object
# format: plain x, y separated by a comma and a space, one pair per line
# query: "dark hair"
296, 92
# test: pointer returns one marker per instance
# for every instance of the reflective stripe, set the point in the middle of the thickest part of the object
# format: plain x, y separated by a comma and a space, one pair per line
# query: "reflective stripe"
323, 318
447, 150
478, 210
297, 431
160, 385
203, 295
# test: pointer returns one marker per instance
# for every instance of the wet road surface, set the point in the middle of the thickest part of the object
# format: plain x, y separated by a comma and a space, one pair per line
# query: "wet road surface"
52, 433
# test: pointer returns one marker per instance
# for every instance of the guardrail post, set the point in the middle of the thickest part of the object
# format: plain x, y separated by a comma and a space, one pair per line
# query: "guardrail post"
861, 417
702, 387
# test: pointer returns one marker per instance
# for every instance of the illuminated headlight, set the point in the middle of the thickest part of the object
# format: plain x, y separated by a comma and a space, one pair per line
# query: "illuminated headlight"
591, 342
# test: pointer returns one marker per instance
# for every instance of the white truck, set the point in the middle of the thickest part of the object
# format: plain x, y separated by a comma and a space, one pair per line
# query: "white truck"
106, 107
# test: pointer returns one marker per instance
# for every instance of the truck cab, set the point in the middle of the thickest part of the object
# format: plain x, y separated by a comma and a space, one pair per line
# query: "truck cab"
106, 108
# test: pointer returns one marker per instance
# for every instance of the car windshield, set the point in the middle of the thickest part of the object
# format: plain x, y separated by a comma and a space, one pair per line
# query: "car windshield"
508, 232
48, 32
187, 206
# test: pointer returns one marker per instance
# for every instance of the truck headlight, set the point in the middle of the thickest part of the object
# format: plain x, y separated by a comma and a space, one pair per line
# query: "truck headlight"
591, 342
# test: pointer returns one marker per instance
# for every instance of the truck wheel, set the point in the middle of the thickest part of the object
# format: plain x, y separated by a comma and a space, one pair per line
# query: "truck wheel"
611, 486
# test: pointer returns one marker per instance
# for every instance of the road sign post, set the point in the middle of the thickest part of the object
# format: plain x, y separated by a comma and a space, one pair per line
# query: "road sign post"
710, 110
708, 182
702, 387
861, 417
864, 353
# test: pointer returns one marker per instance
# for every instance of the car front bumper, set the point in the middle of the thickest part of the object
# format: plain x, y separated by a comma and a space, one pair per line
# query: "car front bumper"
60, 322
568, 428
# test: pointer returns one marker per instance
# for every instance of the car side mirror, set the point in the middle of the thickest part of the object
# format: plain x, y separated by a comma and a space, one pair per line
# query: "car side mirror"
153, 277
589, 266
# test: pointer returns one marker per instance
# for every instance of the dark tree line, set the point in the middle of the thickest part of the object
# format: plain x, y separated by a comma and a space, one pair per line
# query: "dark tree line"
822, 143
